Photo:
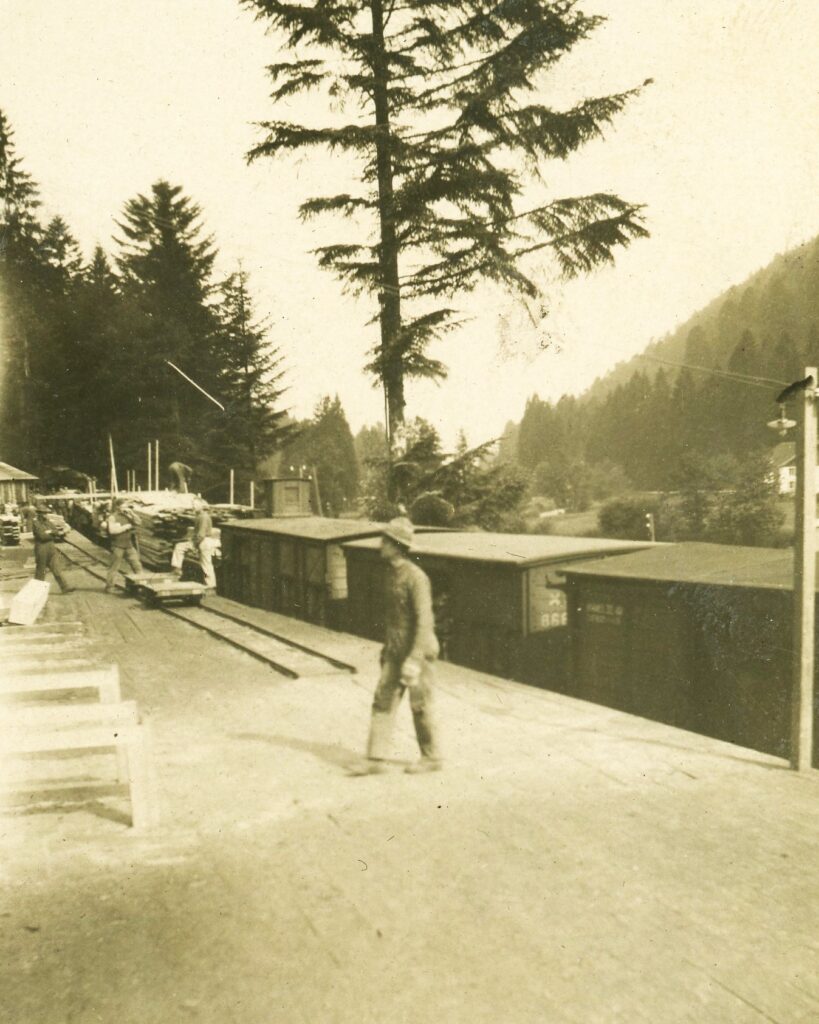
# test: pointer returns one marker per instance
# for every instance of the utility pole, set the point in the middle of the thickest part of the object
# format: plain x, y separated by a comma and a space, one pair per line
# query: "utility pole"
804, 576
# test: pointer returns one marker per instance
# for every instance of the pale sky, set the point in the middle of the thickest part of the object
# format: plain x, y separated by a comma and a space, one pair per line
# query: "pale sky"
107, 96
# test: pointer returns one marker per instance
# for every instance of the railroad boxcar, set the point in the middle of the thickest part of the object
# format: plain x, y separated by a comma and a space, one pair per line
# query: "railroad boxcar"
694, 635
292, 566
499, 606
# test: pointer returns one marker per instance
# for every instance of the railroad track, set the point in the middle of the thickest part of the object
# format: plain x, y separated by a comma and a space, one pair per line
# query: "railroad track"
283, 655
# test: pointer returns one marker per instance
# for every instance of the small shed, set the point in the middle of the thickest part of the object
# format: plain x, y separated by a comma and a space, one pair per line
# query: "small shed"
15, 484
694, 635
287, 498
499, 603
294, 566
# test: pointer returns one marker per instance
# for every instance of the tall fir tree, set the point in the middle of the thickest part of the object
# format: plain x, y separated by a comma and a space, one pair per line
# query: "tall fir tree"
165, 261
20, 279
452, 138
251, 385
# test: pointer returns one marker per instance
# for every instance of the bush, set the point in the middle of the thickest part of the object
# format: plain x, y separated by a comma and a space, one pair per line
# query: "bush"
431, 510
625, 518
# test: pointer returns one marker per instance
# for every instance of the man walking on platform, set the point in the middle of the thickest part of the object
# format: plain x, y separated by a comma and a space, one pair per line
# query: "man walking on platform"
46, 555
409, 653
122, 531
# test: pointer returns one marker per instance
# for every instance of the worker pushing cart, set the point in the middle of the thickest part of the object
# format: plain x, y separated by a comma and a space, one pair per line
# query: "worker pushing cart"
121, 528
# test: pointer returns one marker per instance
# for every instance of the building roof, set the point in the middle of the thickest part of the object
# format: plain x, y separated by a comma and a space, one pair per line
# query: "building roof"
320, 528
782, 454
719, 565
511, 548
8, 472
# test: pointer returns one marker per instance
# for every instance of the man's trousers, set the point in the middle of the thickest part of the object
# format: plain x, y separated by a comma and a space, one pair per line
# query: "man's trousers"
386, 700
46, 556
117, 555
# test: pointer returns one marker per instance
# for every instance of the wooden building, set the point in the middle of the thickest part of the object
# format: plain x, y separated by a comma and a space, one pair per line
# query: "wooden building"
294, 566
15, 485
694, 635
288, 497
499, 606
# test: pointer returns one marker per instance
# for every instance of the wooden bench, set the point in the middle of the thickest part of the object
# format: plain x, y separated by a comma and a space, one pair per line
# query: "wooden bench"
104, 680
25, 665
43, 631
54, 648
36, 730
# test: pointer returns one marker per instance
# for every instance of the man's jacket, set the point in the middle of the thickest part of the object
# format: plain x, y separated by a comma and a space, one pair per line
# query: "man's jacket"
43, 531
410, 623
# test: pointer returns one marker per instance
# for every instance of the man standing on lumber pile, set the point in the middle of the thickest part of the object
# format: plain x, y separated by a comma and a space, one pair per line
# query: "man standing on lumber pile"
409, 653
121, 529
46, 555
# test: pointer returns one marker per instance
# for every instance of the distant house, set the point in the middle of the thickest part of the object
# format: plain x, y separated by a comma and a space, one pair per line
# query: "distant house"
14, 484
783, 464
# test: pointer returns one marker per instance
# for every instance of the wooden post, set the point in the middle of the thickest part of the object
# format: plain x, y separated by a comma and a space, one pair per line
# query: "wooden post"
156, 468
231, 487
804, 579
150, 488
319, 510
252, 494
114, 484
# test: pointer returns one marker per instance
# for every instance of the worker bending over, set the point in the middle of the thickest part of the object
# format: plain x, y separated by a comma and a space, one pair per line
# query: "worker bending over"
121, 528
409, 653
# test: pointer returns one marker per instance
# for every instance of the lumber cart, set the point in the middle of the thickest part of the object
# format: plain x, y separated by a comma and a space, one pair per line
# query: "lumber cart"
158, 588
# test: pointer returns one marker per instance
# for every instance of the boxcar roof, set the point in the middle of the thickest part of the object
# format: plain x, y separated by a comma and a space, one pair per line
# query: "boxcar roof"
511, 548
716, 564
319, 528
8, 472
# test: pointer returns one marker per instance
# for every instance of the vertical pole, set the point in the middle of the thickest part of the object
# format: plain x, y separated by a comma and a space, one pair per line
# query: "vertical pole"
114, 484
150, 485
156, 468
804, 580
319, 509
231, 487
252, 494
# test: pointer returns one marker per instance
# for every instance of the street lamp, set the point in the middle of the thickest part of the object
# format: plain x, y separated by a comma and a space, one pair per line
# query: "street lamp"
782, 425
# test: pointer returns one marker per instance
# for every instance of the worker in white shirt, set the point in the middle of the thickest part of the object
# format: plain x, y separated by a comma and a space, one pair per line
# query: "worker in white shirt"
202, 540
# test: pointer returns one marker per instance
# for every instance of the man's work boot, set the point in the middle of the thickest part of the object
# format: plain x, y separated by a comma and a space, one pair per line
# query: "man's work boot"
371, 767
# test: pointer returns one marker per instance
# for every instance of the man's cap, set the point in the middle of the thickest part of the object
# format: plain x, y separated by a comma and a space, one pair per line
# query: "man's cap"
40, 505
400, 531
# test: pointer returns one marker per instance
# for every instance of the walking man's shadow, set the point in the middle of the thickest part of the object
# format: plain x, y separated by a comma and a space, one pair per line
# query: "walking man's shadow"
331, 753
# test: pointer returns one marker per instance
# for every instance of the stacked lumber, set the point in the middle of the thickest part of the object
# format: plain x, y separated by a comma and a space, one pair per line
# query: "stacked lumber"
163, 518
9, 529
158, 530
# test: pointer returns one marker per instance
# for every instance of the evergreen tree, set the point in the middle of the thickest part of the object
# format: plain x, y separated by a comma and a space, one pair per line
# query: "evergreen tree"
20, 277
370, 444
165, 262
325, 446
450, 137
250, 385
104, 372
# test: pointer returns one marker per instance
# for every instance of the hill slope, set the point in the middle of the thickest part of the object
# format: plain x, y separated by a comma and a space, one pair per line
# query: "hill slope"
646, 418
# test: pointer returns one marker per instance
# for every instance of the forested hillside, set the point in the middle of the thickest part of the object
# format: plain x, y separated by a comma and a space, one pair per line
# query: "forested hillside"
649, 419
